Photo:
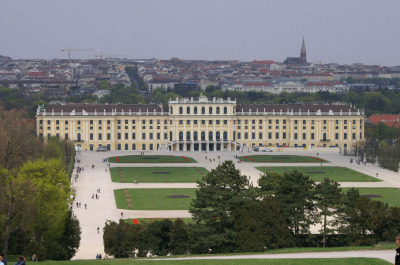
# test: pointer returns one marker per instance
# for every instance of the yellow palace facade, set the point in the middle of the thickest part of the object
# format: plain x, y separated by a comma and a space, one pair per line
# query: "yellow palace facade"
201, 124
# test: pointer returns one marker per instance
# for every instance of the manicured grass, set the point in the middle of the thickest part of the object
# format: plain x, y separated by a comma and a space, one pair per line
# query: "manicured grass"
281, 159
339, 174
150, 159
390, 196
158, 174
344, 261
154, 199
150, 220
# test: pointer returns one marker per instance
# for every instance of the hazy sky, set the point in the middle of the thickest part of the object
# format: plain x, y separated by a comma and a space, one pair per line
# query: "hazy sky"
342, 31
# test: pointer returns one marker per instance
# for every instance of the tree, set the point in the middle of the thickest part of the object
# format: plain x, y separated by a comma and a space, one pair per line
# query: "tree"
120, 239
178, 238
156, 238
220, 192
18, 140
51, 201
260, 225
295, 196
17, 195
71, 237
329, 203
269, 182
358, 220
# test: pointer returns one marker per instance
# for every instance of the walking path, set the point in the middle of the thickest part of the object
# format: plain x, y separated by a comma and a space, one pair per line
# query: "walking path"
387, 255
100, 210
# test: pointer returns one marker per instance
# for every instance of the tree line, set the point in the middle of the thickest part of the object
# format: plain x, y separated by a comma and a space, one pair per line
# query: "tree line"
373, 102
35, 191
230, 215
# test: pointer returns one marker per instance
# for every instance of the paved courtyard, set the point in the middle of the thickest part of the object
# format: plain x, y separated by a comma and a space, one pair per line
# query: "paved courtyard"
98, 211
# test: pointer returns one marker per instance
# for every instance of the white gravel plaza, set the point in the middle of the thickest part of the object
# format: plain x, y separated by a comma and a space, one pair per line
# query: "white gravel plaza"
100, 210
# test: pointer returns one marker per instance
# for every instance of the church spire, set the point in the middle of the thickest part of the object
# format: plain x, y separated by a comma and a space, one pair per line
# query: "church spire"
303, 53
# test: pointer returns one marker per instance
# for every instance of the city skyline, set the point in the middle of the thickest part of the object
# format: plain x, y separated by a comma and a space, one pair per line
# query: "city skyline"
335, 32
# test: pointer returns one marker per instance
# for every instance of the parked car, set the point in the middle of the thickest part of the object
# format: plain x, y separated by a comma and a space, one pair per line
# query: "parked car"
267, 150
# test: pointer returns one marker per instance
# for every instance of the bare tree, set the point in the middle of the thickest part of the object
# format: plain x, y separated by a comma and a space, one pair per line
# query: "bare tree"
18, 140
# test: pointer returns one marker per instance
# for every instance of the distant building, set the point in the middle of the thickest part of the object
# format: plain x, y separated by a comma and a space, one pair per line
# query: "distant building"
389, 120
298, 60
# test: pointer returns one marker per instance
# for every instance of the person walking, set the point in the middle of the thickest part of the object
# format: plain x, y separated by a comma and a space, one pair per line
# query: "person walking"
98, 230
397, 257
85, 206
3, 260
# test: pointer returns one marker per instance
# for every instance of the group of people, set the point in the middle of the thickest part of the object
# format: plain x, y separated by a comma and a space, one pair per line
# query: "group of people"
21, 260
99, 256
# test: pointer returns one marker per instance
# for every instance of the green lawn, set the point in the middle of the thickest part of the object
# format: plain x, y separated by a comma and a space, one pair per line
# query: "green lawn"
281, 159
149, 220
389, 195
339, 174
154, 199
150, 159
158, 174
344, 261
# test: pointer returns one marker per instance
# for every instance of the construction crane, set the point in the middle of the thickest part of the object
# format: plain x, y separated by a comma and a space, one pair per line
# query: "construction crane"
108, 55
69, 50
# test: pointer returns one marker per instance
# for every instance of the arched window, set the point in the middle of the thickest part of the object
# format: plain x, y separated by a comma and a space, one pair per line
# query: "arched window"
210, 110
225, 136
195, 136
210, 135
203, 136
172, 112
180, 110
217, 110
180, 136
217, 136
195, 110
78, 137
188, 110
225, 110
188, 136
203, 110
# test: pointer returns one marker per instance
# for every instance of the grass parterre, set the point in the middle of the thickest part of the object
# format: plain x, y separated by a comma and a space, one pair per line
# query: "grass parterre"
157, 174
151, 159
281, 159
317, 173
391, 196
154, 199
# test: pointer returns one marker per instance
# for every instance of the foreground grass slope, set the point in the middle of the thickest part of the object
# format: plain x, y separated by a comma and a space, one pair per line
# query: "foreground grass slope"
347, 261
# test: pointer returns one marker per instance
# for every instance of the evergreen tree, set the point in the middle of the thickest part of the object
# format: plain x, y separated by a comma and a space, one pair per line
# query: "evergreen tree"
156, 238
329, 199
178, 238
220, 192
260, 225
295, 196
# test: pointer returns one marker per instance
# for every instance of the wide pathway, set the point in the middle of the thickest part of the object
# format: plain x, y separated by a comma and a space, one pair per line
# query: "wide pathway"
99, 211
387, 255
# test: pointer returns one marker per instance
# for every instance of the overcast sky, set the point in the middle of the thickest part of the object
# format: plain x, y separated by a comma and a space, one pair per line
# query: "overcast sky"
342, 31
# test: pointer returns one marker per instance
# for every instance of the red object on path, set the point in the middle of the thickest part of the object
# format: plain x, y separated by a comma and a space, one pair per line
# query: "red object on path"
135, 221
